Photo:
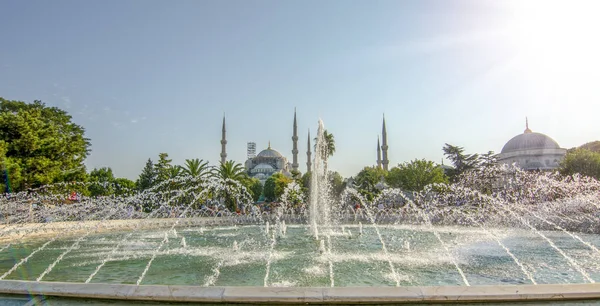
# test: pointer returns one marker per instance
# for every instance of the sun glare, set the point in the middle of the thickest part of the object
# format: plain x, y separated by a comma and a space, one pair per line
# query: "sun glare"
558, 36
557, 47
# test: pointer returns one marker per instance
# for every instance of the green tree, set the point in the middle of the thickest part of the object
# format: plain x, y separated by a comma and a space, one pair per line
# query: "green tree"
254, 187
230, 170
41, 144
123, 186
581, 161
197, 168
162, 168
593, 146
174, 172
336, 181
415, 175
367, 179
275, 186
488, 159
460, 160
330, 144
101, 182
147, 178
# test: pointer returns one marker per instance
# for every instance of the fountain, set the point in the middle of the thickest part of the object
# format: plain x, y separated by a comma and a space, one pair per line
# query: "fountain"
495, 229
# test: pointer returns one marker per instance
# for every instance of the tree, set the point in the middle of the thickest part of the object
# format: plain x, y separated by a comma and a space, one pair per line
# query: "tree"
233, 171
488, 159
254, 187
367, 179
197, 168
336, 181
330, 144
123, 186
41, 144
230, 170
593, 146
415, 175
462, 162
147, 178
163, 167
275, 186
101, 182
174, 172
581, 161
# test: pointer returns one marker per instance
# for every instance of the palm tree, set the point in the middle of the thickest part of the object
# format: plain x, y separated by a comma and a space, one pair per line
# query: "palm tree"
330, 141
195, 168
174, 172
230, 170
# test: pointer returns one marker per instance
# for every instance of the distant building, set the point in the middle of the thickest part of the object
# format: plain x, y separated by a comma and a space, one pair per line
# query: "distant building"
383, 148
266, 163
532, 151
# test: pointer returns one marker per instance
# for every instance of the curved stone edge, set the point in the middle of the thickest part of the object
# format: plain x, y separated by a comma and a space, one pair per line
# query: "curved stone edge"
317, 295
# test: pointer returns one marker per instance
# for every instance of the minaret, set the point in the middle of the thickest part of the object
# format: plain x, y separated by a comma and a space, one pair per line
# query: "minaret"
527, 130
308, 154
295, 147
378, 153
384, 147
223, 143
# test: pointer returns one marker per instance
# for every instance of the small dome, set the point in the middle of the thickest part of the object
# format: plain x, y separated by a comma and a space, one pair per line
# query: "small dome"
529, 141
263, 166
269, 153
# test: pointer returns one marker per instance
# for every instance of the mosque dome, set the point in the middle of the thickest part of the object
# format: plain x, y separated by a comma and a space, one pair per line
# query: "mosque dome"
263, 168
270, 153
530, 141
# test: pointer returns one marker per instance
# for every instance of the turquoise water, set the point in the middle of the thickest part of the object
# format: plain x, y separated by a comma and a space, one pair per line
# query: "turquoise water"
414, 257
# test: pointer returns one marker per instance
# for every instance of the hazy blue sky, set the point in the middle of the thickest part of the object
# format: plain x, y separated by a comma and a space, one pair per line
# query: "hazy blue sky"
145, 76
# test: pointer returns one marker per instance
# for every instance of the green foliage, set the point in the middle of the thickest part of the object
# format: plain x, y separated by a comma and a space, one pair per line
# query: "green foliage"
195, 168
462, 162
147, 178
41, 145
330, 144
101, 182
254, 187
581, 161
162, 168
488, 159
367, 179
275, 185
415, 175
230, 170
593, 146
336, 181
123, 186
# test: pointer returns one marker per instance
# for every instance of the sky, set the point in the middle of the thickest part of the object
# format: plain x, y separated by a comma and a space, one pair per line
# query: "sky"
144, 77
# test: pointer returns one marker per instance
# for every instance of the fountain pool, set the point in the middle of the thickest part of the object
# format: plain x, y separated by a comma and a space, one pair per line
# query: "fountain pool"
206, 256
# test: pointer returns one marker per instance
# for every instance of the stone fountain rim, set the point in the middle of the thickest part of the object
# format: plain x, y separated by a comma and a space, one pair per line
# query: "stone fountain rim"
304, 295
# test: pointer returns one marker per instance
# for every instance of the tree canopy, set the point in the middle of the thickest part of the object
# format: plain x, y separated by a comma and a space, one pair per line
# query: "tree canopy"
581, 161
40, 145
367, 179
460, 160
275, 185
415, 175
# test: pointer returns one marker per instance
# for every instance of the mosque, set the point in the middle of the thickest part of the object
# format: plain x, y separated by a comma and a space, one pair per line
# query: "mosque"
270, 161
532, 151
